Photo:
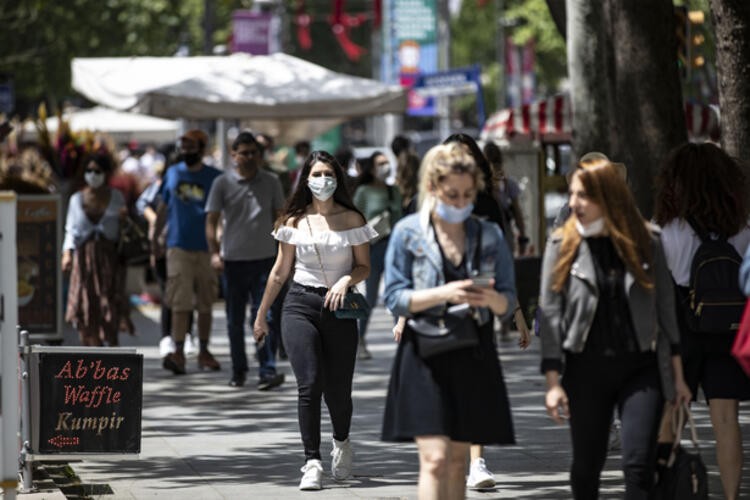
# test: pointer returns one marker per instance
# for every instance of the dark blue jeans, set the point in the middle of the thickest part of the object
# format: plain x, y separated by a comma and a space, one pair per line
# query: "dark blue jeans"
372, 283
245, 281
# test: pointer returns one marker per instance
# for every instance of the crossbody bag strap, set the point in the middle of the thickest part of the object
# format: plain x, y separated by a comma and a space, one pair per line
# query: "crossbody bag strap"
317, 253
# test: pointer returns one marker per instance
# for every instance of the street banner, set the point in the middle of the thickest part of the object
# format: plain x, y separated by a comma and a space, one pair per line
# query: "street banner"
256, 33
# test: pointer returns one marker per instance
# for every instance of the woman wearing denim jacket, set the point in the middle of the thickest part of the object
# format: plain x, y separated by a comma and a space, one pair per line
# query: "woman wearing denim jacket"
452, 399
607, 309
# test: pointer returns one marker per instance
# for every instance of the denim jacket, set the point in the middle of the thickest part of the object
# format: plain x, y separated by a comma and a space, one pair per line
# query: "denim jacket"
413, 262
565, 317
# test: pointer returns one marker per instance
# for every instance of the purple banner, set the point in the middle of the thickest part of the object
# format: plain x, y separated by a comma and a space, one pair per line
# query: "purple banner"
256, 33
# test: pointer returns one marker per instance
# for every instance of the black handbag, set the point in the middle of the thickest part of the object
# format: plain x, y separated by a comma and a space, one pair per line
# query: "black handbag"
684, 477
355, 304
455, 329
133, 246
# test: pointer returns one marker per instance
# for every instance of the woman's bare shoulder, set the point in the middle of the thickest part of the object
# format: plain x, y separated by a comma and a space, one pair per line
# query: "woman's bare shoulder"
353, 219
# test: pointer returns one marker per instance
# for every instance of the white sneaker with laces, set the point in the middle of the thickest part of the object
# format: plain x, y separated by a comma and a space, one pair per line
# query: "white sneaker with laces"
166, 346
341, 459
312, 479
479, 476
191, 345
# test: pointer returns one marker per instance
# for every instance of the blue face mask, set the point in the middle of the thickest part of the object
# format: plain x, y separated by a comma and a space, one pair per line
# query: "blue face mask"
451, 214
322, 187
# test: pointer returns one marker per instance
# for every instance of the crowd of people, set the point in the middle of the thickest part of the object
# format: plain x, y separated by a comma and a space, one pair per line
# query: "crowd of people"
441, 232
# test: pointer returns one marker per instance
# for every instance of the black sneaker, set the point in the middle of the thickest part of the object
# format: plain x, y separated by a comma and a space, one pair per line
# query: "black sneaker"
270, 381
238, 379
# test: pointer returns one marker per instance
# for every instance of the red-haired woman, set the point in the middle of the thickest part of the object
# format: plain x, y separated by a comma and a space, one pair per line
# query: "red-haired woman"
607, 313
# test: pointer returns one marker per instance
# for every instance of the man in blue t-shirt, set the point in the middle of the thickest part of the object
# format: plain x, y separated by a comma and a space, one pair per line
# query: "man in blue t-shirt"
191, 282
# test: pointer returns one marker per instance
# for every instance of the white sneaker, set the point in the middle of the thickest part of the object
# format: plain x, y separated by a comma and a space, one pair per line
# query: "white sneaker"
341, 461
166, 346
479, 476
312, 479
191, 346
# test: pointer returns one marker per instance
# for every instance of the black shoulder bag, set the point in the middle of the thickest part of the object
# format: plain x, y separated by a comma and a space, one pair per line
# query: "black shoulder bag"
455, 329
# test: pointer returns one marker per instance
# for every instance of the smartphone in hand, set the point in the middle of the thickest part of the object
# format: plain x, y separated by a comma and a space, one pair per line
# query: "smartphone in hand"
484, 281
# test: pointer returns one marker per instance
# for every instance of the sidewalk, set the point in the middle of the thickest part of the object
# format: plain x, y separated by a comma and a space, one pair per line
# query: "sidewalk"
205, 440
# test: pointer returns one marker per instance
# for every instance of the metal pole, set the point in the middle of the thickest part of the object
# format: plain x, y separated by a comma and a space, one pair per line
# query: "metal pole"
221, 142
27, 474
8, 346
444, 45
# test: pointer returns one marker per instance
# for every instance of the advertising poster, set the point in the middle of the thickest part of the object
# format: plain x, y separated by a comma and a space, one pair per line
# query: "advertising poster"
411, 48
38, 236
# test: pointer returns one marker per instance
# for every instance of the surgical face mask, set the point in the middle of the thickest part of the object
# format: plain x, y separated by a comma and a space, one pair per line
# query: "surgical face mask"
593, 229
322, 187
191, 158
451, 214
94, 179
382, 171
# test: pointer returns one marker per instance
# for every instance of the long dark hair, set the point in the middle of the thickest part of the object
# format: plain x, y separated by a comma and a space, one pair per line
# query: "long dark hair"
302, 197
367, 167
702, 182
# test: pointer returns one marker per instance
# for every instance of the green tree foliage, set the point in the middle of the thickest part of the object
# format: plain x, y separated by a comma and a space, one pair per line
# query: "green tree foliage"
473, 41
40, 37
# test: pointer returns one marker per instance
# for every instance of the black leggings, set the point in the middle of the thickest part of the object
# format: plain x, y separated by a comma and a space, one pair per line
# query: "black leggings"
595, 385
322, 350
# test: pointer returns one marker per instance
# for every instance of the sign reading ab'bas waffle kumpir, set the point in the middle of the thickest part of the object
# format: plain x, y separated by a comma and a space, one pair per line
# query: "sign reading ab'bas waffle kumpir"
86, 400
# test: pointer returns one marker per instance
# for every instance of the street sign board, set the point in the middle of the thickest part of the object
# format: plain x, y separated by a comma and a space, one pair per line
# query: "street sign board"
86, 401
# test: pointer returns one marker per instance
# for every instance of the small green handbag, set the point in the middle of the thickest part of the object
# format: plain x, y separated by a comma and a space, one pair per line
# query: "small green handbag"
355, 307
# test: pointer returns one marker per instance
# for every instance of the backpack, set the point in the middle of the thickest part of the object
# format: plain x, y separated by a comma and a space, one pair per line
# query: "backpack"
715, 302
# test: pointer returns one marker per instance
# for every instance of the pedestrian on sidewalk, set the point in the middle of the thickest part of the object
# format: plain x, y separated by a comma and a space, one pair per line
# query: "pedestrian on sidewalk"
702, 186
488, 207
324, 240
381, 206
250, 199
447, 401
95, 302
146, 206
191, 282
607, 312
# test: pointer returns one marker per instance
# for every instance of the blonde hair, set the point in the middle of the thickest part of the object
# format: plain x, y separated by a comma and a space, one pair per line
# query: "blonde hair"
441, 161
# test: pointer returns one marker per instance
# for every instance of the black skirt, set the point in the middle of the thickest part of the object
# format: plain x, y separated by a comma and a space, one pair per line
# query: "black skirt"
460, 394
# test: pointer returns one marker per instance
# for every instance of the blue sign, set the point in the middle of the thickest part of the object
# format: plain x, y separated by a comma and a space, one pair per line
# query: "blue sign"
7, 99
452, 83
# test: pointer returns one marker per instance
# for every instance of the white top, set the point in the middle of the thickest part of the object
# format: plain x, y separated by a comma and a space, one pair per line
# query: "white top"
680, 244
79, 228
335, 252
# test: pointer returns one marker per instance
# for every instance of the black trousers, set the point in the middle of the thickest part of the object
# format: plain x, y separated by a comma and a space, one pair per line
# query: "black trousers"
322, 350
596, 385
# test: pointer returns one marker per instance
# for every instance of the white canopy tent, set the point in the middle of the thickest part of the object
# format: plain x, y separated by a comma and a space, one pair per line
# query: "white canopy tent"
287, 96
122, 126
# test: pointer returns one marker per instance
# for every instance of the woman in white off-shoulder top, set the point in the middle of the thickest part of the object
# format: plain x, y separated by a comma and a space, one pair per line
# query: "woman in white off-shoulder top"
324, 240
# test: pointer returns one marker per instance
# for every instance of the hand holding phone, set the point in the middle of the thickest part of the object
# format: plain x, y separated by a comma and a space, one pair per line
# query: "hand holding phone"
484, 281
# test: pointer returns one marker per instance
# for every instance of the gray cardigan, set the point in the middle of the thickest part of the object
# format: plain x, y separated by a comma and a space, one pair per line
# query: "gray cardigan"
565, 317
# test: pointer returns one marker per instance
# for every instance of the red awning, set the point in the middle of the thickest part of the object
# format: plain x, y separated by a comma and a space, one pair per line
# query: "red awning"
553, 116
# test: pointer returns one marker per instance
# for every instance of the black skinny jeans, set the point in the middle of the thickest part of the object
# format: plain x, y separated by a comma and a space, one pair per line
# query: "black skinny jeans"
595, 385
322, 350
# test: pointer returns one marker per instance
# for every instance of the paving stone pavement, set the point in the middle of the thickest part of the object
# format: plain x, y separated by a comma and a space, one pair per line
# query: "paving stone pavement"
205, 440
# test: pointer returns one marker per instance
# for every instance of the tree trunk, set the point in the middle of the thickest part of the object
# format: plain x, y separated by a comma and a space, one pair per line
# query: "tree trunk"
731, 19
648, 111
587, 70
